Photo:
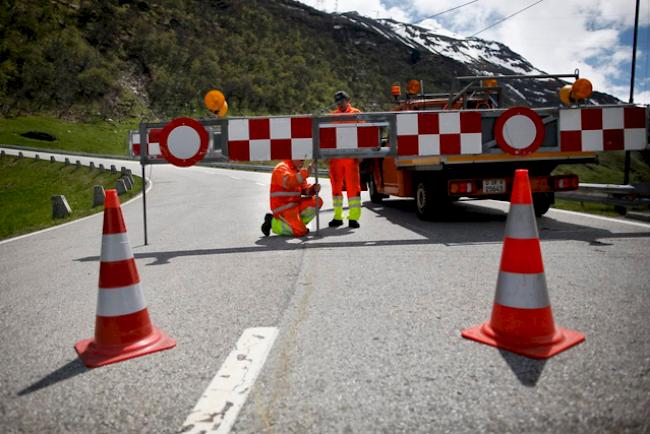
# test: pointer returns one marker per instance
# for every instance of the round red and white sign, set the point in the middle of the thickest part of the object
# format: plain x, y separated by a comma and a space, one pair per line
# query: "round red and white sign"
519, 131
184, 142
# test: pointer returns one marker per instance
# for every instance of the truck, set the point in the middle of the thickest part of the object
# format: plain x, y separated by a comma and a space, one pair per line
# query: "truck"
510, 138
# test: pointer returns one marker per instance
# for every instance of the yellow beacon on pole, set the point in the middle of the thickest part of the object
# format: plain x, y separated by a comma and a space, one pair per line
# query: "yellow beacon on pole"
215, 101
578, 91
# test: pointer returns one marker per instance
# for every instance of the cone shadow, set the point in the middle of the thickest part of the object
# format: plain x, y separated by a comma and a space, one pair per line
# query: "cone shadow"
527, 370
65, 372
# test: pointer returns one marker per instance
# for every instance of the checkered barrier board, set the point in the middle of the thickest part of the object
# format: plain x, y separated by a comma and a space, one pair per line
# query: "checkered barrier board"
603, 129
263, 139
152, 144
443, 133
438, 133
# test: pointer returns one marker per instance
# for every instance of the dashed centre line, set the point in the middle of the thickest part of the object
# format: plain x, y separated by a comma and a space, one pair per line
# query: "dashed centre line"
221, 402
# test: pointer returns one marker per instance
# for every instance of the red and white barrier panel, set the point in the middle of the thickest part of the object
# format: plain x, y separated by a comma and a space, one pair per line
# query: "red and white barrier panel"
152, 146
347, 135
264, 139
450, 133
603, 129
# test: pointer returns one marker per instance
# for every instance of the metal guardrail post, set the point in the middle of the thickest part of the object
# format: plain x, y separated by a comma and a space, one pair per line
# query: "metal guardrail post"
144, 144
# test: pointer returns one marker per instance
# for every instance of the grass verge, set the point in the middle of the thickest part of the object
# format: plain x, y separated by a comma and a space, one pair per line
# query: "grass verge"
100, 137
26, 187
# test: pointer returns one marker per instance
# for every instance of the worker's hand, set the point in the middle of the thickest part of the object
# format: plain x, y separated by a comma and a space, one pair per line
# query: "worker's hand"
312, 167
315, 188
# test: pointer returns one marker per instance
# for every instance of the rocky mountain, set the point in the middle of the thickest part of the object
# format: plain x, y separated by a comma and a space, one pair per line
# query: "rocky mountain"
157, 58
479, 57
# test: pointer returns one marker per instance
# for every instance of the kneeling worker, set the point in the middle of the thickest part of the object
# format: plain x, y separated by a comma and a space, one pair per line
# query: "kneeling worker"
290, 210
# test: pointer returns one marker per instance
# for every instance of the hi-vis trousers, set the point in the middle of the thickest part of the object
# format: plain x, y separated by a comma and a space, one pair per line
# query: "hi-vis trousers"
293, 221
345, 169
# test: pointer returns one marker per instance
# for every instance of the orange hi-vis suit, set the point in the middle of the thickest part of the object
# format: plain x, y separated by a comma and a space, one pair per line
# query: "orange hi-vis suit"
291, 212
346, 169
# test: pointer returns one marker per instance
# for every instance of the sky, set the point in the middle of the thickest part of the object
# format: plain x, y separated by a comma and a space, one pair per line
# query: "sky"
556, 36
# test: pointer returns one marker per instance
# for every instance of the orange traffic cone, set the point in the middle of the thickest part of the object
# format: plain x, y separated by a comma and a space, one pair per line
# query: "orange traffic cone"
522, 320
123, 329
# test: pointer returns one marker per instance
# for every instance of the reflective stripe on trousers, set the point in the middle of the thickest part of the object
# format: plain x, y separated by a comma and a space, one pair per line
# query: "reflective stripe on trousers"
293, 221
280, 227
355, 207
354, 204
337, 202
284, 207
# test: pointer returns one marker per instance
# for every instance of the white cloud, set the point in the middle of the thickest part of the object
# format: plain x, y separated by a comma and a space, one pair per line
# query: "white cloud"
556, 36
642, 97
369, 8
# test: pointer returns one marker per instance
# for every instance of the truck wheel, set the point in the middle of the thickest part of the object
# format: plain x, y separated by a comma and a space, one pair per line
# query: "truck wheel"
425, 201
542, 202
372, 190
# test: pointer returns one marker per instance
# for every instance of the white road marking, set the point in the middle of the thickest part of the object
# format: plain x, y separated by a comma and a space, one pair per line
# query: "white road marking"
603, 218
259, 183
234, 177
221, 402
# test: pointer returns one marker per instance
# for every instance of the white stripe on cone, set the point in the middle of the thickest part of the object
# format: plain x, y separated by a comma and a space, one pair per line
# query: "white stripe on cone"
120, 301
115, 247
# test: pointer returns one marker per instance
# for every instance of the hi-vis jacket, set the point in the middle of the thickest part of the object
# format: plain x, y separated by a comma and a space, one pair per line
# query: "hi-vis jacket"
287, 184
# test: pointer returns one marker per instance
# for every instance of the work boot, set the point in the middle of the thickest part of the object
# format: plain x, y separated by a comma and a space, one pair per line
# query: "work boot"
335, 223
266, 226
353, 224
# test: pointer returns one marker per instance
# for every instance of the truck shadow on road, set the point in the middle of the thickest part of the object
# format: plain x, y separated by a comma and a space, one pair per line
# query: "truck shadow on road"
473, 222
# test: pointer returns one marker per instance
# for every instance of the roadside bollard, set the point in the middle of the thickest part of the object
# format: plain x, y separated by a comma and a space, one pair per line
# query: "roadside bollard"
123, 170
113, 169
66, 161
127, 182
101, 167
91, 166
60, 207
120, 187
2, 154
20, 155
130, 175
98, 195
77, 163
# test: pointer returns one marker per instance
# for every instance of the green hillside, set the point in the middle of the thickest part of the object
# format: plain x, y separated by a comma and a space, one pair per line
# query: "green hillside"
128, 58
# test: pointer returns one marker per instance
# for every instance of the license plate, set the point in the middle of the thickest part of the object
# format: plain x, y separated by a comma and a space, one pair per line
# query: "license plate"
494, 186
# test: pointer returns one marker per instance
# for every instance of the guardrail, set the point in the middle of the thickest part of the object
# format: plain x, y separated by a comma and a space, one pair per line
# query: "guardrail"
626, 196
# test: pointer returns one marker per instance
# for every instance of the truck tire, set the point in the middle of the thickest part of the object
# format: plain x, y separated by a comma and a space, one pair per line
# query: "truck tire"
372, 191
427, 202
542, 202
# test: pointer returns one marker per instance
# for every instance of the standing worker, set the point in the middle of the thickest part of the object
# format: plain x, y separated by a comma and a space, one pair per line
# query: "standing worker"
345, 169
293, 204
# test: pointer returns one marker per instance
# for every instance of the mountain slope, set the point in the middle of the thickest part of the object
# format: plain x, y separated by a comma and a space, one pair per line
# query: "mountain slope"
125, 58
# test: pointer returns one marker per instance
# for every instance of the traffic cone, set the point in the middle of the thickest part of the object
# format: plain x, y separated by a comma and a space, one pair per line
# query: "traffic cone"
123, 329
522, 320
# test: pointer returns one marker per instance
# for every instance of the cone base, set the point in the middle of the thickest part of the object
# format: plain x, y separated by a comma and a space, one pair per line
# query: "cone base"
94, 355
563, 340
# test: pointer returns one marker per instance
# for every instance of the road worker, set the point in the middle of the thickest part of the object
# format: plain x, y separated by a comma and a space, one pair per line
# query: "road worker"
345, 170
293, 201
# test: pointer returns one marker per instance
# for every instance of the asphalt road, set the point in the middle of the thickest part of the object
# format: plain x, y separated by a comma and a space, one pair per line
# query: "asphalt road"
369, 320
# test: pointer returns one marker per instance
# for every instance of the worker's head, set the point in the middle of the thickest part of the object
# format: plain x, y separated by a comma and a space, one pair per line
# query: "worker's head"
298, 163
342, 99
